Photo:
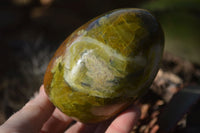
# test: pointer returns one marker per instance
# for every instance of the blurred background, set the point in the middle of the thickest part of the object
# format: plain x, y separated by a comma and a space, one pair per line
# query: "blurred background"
31, 31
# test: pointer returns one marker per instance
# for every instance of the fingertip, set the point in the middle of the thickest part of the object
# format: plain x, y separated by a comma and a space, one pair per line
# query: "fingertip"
134, 109
41, 100
41, 88
42, 92
125, 121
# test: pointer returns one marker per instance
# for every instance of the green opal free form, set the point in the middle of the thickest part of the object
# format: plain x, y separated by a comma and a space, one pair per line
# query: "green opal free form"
104, 65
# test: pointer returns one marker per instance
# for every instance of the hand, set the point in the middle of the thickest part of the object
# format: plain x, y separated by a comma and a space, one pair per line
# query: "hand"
40, 116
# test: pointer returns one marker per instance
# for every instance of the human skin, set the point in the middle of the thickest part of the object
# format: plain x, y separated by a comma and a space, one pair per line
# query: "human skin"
40, 116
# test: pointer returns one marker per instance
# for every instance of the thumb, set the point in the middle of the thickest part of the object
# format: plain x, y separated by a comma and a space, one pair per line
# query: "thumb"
31, 117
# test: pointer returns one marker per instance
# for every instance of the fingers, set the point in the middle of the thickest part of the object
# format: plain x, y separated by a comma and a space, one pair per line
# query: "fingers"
76, 128
103, 126
35, 113
79, 127
122, 124
125, 121
32, 116
57, 123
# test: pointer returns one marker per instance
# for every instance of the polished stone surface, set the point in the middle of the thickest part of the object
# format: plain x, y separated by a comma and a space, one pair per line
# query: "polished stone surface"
105, 65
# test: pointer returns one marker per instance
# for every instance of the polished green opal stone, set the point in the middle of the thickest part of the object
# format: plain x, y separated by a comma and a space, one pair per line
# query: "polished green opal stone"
104, 65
